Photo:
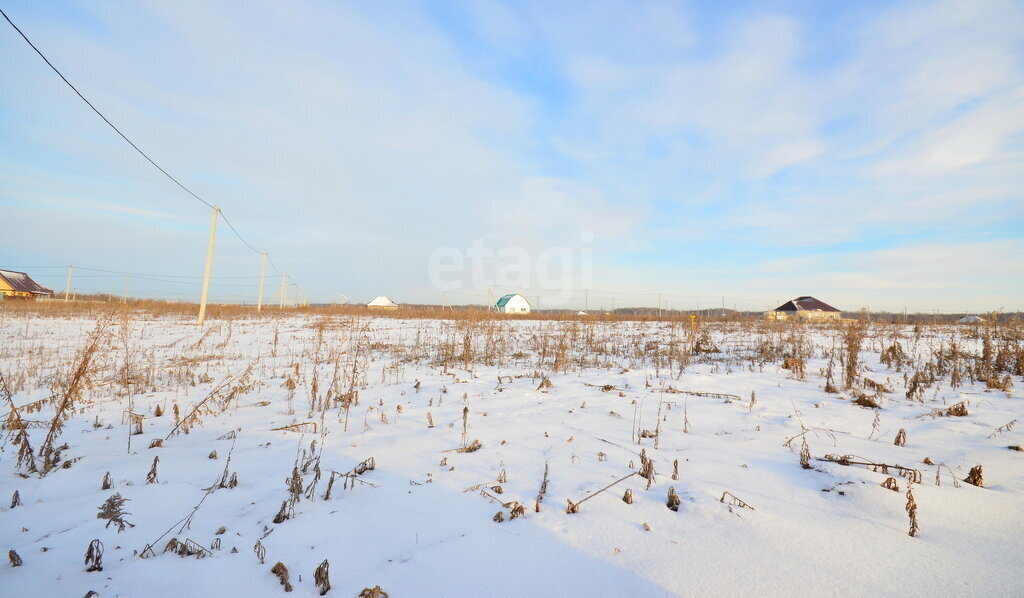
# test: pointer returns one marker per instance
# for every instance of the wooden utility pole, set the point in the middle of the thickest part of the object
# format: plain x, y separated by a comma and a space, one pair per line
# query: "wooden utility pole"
263, 274
67, 287
209, 266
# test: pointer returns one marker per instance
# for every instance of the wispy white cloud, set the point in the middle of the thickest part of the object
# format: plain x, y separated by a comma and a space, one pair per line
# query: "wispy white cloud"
685, 144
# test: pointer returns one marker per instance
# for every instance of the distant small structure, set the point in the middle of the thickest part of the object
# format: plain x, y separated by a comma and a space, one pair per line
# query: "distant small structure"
804, 308
971, 320
19, 285
382, 303
513, 303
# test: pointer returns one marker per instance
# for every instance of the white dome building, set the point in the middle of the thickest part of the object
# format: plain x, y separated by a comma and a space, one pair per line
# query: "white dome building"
382, 303
513, 303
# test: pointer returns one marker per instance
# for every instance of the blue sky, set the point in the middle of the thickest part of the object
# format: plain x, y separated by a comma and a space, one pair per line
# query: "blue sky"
870, 154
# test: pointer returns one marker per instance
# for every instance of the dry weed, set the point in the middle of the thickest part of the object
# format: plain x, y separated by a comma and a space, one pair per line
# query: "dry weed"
151, 477
113, 511
734, 501
282, 575
94, 556
321, 577
975, 477
673, 501
911, 509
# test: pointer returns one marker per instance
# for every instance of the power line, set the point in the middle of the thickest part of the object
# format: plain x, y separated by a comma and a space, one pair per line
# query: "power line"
118, 272
164, 275
123, 136
271, 262
100, 114
139, 277
232, 227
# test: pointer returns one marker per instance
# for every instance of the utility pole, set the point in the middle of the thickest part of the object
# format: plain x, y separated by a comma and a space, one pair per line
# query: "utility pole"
263, 273
659, 304
586, 299
67, 287
209, 266
284, 287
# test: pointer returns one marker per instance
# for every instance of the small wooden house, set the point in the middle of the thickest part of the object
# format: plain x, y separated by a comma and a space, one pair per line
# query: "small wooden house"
19, 285
804, 308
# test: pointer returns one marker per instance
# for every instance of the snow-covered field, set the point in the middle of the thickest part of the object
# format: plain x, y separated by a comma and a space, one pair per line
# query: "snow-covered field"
409, 394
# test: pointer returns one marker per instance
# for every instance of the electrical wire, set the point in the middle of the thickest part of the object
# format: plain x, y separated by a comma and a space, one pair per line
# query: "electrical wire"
130, 142
140, 274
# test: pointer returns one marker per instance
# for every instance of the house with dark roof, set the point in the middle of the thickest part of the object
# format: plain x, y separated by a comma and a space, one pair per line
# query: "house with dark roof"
21, 286
804, 308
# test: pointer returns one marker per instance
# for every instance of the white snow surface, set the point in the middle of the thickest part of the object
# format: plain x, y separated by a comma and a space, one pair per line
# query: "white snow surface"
415, 529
